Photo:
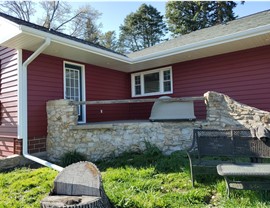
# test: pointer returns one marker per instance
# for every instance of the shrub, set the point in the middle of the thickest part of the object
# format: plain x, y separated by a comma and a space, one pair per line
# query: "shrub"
151, 153
151, 149
72, 157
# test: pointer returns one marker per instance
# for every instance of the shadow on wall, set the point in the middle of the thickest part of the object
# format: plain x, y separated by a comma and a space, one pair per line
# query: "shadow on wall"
7, 119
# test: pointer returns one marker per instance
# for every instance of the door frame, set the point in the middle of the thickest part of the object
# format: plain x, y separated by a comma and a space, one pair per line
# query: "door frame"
82, 118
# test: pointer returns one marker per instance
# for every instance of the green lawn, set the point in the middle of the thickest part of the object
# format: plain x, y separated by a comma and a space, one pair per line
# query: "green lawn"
134, 180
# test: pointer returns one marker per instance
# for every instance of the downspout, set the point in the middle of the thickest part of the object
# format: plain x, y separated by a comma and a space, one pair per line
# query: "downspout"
23, 114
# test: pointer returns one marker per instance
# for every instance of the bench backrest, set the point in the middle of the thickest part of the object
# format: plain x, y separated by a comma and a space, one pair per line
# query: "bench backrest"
231, 143
214, 142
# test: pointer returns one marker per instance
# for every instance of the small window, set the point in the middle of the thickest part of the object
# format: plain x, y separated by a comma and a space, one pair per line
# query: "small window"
154, 82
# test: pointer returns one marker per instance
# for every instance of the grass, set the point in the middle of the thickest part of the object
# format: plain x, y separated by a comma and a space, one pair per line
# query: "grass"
25, 187
146, 180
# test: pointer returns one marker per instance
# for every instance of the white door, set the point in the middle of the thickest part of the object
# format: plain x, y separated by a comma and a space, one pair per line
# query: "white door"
74, 86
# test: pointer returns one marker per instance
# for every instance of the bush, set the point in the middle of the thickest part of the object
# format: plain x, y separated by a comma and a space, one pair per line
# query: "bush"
151, 153
72, 157
151, 150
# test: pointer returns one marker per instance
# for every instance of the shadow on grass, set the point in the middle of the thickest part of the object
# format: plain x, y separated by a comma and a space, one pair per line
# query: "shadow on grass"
178, 162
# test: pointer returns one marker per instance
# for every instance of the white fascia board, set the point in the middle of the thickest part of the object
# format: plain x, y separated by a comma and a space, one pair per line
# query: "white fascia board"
205, 44
75, 44
8, 30
161, 54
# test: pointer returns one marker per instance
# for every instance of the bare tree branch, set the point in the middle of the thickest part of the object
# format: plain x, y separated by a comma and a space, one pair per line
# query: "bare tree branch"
21, 9
67, 21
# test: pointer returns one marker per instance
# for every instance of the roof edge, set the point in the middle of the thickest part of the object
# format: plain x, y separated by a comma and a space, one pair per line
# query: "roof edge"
73, 43
206, 43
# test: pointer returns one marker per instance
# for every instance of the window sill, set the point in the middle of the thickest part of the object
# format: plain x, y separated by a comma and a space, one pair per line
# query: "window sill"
153, 94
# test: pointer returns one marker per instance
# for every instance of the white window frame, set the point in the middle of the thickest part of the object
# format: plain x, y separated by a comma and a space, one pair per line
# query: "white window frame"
82, 85
161, 82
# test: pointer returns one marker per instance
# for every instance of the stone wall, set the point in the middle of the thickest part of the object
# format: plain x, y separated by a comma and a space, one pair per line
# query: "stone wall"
99, 141
224, 112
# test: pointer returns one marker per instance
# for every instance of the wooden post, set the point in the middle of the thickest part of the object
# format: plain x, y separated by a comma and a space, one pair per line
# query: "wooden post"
125, 101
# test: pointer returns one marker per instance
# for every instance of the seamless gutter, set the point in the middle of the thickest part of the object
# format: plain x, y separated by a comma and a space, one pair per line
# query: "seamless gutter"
73, 43
261, 30
156, 55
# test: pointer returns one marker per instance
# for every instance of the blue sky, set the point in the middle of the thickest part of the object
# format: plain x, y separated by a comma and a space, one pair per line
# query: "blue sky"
114, 12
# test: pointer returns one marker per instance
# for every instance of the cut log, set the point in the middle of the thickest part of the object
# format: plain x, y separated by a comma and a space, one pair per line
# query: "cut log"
78, 185
72, 202
78, 179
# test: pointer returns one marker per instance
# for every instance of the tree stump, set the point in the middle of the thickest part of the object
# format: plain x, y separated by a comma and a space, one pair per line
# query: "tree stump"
78, 185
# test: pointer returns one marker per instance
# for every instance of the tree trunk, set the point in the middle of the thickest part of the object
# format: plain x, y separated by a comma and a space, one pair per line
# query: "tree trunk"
78, 185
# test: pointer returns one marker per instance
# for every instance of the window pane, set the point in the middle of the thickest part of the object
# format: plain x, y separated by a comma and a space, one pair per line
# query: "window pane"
67, 73
137, 80
167, 75
137, 90
72, 84
68, 93
167, 86
67, 82
151, 82
76, 83
72, 92
76, 74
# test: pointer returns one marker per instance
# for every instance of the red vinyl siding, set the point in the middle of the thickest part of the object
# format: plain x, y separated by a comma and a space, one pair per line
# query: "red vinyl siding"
243, 75
45, 82
105, 84
6, 146
8, 99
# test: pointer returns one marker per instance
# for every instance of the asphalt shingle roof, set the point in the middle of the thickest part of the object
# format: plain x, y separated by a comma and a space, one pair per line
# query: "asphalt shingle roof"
238, 25
51, 31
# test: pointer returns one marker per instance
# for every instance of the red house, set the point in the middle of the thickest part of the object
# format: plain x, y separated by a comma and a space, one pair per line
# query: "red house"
37, 65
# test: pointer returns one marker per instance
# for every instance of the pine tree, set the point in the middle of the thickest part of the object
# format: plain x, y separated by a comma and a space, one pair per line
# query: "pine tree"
142, 29
109, 40
186, 16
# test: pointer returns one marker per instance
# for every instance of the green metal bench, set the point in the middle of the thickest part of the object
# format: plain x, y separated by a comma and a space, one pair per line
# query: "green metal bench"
213, 147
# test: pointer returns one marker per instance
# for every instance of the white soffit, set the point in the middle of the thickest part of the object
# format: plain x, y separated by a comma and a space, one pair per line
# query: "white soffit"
8, 30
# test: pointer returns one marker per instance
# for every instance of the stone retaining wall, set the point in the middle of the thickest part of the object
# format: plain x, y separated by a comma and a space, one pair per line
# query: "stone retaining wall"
224, 112
99, 141
106, 140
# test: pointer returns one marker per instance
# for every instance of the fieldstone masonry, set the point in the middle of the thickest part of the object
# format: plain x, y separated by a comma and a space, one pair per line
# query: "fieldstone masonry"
224, 112
100, 141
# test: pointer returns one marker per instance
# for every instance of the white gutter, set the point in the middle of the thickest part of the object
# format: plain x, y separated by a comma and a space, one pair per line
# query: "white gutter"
261, 30
75, 44
23, 114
